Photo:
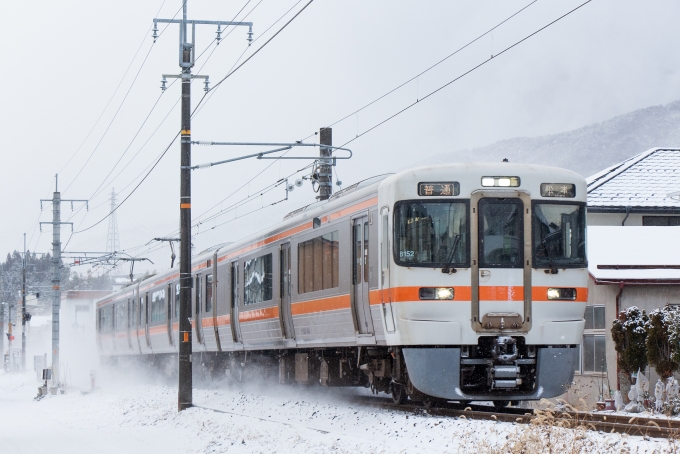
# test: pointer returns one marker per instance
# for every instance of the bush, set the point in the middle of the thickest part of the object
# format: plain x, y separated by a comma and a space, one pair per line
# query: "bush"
630, 335
662, 353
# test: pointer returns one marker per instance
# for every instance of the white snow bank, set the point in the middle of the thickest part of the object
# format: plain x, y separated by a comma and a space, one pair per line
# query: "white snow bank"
142, 417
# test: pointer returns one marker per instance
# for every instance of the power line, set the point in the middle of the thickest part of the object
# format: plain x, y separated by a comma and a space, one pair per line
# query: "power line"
112, 96
464, 74
178, 133
429, 68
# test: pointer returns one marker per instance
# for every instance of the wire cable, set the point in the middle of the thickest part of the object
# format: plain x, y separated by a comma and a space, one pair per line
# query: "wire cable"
429, 68
464, 74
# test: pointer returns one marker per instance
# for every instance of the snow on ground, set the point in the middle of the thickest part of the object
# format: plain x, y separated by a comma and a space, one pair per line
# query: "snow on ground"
130, 413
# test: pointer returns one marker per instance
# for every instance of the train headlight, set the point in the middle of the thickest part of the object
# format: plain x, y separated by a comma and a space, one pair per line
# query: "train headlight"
561, 293
502, 182
436, 293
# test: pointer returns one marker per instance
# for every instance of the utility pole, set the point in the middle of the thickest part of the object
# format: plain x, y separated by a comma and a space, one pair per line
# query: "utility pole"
56, 269
186, 62
324, 169
23, 309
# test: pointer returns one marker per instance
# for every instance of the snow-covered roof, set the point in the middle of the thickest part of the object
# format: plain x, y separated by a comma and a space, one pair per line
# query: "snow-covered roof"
641, 253
643, 182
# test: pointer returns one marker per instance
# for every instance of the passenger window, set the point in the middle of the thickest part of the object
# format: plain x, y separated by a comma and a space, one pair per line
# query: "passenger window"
198, 295
318, 263
257, 279
366, 267
177, 301
142, 312
208, 292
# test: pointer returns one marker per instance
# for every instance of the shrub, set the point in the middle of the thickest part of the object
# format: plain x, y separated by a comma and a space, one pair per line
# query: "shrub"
661, 351
629, 333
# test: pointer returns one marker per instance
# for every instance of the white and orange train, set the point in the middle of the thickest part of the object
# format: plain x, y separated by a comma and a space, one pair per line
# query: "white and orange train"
459, 282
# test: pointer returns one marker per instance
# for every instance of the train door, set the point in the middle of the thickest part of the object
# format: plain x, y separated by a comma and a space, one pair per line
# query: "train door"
137, 323
287, 329
198, 302
130, 321
385, 270
235, 325
146, 319
360, 274
501, 262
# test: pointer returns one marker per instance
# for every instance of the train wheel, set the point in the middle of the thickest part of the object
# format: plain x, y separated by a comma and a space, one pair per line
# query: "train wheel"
500, 404
399, 395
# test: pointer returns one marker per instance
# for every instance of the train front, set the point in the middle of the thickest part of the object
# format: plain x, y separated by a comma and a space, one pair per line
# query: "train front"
484, 279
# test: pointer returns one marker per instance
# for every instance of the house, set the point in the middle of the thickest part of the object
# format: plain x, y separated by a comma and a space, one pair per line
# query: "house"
633, 244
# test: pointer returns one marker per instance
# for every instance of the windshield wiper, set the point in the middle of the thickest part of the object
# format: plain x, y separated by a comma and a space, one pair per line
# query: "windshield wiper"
548, 250
449, 269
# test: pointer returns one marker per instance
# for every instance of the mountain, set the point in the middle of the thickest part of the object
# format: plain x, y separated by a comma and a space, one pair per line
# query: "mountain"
586, 150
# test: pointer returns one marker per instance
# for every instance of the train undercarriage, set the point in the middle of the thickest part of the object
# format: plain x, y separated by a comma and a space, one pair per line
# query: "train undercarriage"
501, 369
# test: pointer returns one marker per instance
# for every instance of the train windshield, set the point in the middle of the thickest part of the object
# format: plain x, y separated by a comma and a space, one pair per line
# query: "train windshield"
432, 234
559, 235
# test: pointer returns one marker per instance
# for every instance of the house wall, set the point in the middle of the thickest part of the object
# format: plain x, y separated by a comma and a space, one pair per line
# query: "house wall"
647, 298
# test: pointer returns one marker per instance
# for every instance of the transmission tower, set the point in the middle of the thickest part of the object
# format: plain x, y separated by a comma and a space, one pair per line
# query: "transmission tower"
112, 239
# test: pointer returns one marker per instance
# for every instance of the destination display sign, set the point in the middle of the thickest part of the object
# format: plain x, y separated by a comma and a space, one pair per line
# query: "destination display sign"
439, 189
563, 190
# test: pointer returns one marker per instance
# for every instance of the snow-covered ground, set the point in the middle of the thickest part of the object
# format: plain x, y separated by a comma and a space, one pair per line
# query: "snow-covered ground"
133, 414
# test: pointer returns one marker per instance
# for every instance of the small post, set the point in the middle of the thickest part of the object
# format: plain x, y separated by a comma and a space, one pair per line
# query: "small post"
23, 310
325, 171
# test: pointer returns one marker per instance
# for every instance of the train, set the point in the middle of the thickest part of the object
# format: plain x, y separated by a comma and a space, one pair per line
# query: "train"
455, 282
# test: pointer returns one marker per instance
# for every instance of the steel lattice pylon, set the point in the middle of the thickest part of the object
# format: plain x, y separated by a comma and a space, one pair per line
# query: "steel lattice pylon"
113, 239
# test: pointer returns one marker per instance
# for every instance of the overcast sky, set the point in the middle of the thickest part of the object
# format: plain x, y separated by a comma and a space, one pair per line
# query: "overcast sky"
64, 61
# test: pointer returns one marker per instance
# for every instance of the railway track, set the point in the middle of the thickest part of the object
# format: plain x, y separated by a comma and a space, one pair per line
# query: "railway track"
608, 423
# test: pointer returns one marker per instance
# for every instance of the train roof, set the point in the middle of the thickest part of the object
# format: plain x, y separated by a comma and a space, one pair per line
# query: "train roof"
363, 190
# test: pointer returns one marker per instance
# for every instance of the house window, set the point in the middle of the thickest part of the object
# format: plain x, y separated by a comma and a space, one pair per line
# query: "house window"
664, 221
592, 351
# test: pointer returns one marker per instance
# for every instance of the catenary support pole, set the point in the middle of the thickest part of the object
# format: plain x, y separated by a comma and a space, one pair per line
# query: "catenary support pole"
23, 309
186, 62
185, 393
56, 279
56, 270
325, 172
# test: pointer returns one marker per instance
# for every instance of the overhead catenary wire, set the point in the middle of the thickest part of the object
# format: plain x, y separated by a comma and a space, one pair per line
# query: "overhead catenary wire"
455, 52
418, 101
146, 57
178, 132
141, 44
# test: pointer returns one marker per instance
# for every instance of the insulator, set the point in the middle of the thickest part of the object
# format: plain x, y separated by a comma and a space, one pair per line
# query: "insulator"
207, 85
219, 33
155, 32
163, 82
250, 36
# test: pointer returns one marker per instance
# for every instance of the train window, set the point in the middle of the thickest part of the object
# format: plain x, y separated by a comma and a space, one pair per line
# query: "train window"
142, 311
257, 279
432, 234
365, 254
158, 306
559, 238
501, 236
120, 317
198, 295
208, 292
177, 301
318, 263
